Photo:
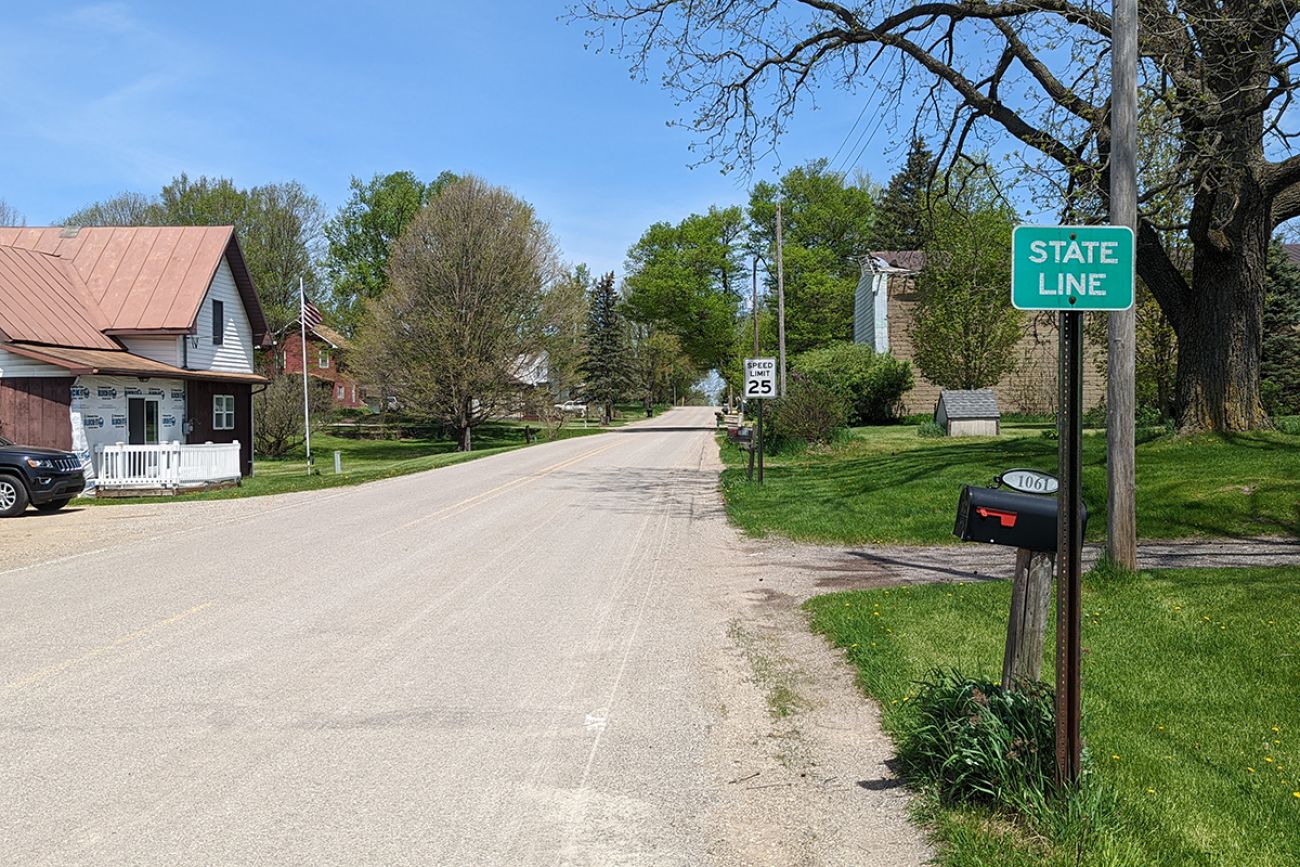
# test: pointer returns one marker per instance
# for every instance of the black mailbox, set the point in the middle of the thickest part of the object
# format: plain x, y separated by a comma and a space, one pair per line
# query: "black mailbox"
1002, 517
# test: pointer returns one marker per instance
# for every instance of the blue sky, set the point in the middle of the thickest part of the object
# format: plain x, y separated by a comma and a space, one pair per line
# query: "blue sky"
97, 98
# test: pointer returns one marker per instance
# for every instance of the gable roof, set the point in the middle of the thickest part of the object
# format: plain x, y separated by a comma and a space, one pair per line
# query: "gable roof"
324, 332
903, 260
977, 403
143, 279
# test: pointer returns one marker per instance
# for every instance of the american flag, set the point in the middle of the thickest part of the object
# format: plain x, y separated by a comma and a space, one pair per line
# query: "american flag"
310, 314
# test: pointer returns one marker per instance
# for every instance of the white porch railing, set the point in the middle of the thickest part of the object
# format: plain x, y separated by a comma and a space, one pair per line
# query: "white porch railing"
165, 465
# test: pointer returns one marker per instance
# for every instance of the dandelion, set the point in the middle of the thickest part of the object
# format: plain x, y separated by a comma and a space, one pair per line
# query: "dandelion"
1250, 770
1295, 794
1151, 791
1268, 759
1276, 729
1160, 728
1114, 758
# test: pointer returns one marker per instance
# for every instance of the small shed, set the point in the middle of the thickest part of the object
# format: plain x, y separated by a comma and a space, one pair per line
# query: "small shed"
972, 413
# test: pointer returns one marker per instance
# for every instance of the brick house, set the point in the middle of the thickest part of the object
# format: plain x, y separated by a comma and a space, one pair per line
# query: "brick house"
326, 353
883, 307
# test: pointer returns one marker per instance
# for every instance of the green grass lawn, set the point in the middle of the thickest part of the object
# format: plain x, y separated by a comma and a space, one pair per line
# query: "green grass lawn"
366, 460
886, 484
1191, 690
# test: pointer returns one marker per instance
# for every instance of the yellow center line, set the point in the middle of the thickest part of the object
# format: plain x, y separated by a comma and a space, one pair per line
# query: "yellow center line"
484, 496
46, 673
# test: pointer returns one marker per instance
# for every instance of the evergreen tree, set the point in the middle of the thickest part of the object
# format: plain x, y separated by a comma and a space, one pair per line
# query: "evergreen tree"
1279, 370
902, 217
605, 366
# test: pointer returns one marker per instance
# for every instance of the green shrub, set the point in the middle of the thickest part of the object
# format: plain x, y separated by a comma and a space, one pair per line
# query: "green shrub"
971, 741
872, 383
931, 428
1287, 424
810, 412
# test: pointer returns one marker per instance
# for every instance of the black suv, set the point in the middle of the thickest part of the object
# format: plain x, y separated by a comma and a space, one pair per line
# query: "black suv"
46, 478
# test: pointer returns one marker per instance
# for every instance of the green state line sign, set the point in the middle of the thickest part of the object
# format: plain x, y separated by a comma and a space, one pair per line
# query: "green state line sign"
1072, 267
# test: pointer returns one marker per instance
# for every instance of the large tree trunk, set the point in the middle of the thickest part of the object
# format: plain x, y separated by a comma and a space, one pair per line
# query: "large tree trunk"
1220, 332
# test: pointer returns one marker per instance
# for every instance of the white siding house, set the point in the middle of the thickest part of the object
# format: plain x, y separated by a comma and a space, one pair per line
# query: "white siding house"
134, 347
234, 354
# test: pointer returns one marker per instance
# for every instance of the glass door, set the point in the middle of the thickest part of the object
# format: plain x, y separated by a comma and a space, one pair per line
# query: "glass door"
142, 421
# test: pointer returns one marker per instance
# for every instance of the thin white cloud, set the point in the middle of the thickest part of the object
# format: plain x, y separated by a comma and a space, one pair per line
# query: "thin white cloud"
96, 91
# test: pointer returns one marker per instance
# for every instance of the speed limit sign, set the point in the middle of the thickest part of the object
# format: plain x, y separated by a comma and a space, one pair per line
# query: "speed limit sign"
760, 377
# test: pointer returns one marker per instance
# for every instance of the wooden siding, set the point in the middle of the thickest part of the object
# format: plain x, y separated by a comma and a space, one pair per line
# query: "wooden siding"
235, 352
199, 408
34, 411
972, 427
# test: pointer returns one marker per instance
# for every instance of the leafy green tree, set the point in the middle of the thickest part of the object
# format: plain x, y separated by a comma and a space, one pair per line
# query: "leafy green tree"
606, 363
564, 329
658, 365
687, 279
1031, 74
125, 209
964, 328
462, 310
1280, 369
827, 227
362, 233
903, 221
279, 228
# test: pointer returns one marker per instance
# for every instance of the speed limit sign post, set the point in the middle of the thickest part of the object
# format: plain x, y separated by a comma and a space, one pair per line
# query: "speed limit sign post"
760, 378
760, 385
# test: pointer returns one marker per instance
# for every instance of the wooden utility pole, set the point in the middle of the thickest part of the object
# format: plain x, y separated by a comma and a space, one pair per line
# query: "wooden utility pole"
754, 306
1121, 511
780, 299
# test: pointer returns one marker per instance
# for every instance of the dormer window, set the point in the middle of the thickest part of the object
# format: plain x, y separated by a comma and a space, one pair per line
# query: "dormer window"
218, 322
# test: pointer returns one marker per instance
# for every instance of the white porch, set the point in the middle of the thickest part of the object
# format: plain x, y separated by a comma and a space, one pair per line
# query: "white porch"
165, 467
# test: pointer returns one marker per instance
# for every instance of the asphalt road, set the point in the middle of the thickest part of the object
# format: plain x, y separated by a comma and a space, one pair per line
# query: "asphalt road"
552, 656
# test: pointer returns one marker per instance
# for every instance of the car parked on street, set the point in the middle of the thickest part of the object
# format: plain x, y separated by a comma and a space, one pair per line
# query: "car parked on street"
48, 479
574, 406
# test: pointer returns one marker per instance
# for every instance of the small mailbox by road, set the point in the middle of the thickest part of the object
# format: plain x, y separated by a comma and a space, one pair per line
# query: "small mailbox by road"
1001, 517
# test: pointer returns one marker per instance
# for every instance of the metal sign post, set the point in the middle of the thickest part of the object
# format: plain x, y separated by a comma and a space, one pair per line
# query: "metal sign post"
1071, 269
760, 384
1069, 616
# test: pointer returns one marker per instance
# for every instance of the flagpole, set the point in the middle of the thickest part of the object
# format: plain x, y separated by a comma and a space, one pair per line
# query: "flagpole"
306, 412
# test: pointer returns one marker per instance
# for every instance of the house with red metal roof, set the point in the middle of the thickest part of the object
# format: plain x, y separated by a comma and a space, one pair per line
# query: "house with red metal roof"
325, 354
133, 347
